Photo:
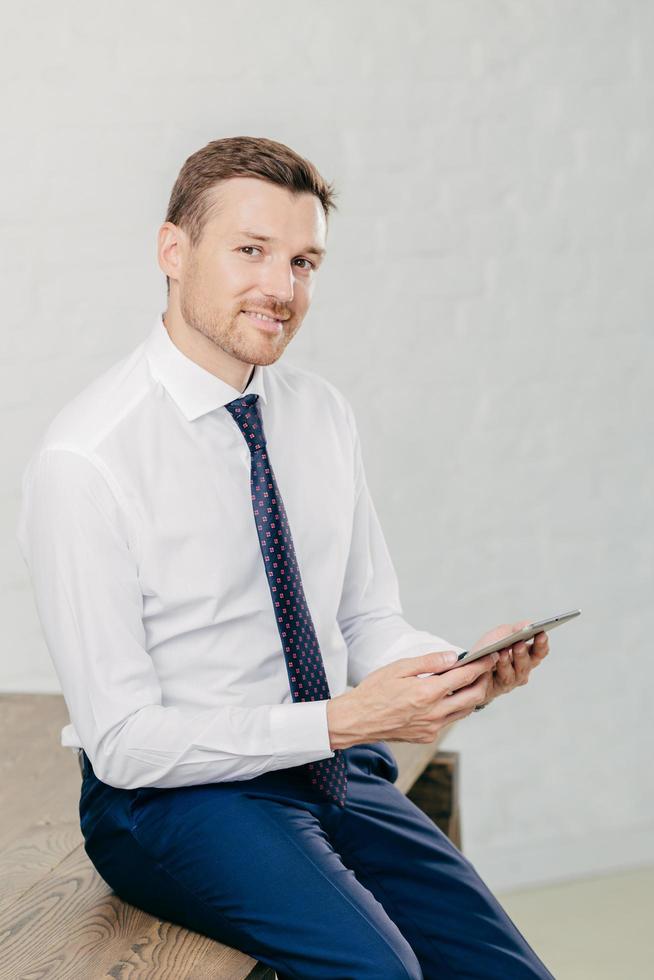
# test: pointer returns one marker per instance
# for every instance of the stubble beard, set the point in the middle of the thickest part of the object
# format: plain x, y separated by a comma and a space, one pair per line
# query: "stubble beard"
231, 336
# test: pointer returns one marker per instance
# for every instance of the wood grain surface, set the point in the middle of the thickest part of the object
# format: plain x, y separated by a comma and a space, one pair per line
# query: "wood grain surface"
59, 920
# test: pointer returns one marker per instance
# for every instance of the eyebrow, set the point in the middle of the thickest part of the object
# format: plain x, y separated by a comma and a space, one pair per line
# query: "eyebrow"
311, 250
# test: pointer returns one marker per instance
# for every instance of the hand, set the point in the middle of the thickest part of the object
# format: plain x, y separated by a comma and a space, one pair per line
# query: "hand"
515, 663
408, 700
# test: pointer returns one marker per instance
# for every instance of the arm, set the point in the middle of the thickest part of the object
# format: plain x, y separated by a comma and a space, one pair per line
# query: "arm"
76, 542
370, 614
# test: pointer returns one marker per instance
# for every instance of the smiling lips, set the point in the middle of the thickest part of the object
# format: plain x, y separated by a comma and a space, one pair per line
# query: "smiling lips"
264, 321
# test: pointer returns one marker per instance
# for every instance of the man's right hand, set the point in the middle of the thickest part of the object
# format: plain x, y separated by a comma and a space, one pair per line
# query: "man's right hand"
393, 704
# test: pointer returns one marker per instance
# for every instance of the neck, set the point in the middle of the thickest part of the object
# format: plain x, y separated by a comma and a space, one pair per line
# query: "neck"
204, 352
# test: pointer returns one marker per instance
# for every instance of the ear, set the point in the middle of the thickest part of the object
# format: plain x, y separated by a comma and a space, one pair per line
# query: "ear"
172, 244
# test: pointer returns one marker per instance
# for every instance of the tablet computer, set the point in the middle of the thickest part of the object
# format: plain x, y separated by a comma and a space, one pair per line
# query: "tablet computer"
525, 633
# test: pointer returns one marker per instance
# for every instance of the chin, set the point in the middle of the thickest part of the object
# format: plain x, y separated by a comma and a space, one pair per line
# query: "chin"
250, 353
264, 359
263, 351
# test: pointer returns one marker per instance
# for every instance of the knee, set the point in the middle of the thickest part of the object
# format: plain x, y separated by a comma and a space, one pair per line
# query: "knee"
386, 965
393, 965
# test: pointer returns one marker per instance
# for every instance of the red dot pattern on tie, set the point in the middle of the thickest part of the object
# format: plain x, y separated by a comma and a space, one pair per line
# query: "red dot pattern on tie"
304, 663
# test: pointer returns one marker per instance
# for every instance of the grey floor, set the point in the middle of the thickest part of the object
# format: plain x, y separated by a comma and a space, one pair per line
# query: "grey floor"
599, 928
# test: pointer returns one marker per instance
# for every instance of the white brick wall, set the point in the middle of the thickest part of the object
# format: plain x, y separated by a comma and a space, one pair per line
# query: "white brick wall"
485, 305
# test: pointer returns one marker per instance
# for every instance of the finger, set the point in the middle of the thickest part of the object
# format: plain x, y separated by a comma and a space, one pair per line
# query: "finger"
537, 659
467, 697
457, 715
489, 678
521, 663
537, 649
504, 672
541, 646
459, 677
433, 662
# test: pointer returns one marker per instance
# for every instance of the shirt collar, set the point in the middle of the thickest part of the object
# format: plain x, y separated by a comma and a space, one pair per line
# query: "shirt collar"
196, 390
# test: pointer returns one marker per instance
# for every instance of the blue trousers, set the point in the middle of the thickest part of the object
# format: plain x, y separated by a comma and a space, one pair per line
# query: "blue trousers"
371, 890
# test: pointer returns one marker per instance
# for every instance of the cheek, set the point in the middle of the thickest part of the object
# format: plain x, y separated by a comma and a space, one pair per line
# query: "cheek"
240, 281
229, 282
301, 300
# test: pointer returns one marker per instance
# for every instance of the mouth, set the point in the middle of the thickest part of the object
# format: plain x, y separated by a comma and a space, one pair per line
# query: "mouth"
263, 321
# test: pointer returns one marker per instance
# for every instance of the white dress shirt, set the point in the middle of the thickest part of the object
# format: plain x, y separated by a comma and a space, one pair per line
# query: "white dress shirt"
137, 527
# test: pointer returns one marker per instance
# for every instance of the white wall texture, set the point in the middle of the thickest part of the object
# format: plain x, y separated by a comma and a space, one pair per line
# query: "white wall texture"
486, 306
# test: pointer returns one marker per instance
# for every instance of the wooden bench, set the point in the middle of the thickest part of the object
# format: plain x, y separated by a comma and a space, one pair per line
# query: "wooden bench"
60, 920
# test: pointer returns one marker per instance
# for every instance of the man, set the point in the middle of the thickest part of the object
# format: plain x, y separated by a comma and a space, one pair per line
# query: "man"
211, 576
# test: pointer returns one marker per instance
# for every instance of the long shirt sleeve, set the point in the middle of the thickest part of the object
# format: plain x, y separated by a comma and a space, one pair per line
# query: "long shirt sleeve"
88, 596
138, 530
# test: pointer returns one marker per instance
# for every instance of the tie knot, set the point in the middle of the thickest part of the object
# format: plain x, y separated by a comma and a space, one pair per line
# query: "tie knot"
245, 412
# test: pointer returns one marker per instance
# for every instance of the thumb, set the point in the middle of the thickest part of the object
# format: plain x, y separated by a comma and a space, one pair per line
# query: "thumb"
432, 662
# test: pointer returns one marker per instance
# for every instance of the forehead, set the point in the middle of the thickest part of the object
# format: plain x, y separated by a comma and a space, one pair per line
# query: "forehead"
244, 203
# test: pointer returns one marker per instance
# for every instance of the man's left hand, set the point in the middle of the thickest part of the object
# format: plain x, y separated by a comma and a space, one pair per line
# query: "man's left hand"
515, 663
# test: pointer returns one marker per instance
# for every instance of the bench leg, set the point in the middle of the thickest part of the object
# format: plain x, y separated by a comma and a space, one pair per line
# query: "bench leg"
261, 972
436, 792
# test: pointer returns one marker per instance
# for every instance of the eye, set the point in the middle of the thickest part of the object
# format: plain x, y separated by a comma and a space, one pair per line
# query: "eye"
244, 248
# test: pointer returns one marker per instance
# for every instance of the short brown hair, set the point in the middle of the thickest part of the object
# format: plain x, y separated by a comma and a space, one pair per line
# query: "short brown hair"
190, 204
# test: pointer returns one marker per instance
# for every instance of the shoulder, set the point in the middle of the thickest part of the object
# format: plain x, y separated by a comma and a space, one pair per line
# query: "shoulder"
74, 453
310, 388
103, 405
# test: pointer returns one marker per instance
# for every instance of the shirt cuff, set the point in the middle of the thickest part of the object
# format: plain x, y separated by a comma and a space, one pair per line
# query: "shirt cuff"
299, 731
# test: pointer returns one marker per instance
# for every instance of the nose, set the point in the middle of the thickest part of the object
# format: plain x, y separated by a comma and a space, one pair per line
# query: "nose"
278, 282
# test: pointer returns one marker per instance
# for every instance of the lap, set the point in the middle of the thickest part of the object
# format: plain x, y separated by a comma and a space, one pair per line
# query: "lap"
310, 888
249, 863
429, 888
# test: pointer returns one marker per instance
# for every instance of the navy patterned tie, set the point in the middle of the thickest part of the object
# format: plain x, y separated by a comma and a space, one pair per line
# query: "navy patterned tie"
304, 663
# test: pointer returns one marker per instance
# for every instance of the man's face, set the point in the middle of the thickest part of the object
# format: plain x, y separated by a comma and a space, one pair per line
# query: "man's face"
232, 271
